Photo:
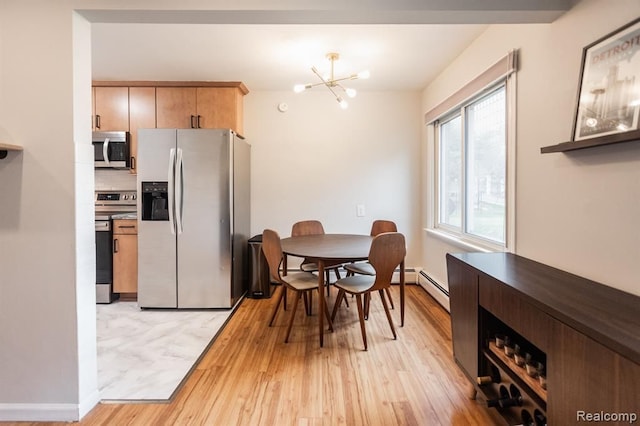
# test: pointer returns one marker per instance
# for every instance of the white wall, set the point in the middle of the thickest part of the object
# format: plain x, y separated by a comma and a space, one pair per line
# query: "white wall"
576, 211
317, 161
47, 290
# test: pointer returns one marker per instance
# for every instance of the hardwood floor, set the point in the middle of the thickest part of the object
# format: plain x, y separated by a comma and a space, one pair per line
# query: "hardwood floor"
249, 376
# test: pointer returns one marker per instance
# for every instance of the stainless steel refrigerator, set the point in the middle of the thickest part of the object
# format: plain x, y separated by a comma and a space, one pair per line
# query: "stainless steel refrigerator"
193, 218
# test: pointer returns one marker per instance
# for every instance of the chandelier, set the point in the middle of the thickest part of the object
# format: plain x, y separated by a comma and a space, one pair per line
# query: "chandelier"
333, 83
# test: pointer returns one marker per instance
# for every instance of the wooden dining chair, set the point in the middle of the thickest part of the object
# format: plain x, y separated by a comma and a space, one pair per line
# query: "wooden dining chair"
298, 282
314, 227
365, 268
387, 252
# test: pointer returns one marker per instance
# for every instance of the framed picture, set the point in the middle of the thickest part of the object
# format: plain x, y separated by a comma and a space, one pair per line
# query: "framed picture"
609, 91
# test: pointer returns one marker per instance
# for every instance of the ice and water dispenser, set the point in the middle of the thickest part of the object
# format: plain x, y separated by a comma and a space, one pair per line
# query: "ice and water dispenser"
155, 201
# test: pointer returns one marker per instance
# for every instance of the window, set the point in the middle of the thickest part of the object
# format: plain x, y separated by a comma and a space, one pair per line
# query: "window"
471, 142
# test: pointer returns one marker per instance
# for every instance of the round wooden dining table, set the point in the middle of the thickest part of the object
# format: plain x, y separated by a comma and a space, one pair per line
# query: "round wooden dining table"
329, 249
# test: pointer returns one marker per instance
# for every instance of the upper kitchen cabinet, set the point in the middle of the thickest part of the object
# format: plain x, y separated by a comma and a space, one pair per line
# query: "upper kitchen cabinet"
110, 109
204, 106
176, 107
142, 115
220, 108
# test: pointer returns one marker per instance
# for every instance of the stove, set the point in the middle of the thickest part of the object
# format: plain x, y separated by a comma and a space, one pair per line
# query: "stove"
107, 205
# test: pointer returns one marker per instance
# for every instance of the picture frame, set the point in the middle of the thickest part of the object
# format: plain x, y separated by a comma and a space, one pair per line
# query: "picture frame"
608, 102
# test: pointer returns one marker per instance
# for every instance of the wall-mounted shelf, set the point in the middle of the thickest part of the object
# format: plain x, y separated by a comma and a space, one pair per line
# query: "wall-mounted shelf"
6, 147
630, 136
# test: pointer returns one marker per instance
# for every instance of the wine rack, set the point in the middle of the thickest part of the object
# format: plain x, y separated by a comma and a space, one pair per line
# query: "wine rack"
513, 385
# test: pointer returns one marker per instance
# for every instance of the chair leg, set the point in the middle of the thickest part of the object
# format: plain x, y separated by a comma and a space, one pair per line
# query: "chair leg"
328, 279
386, 310
336, 305
293, 315
389, 297
328, 316
361, 317
367, 302
305, 300
275, 310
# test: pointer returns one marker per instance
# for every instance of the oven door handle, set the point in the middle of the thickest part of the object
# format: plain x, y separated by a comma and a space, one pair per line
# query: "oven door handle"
171, 179
105, 150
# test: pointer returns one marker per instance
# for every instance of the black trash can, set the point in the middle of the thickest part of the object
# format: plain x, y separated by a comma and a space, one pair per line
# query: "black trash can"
259, 278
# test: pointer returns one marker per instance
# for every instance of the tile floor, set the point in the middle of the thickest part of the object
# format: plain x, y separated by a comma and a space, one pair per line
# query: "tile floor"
145, 354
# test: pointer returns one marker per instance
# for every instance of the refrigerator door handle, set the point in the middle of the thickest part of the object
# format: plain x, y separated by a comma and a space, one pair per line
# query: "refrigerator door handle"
179, 191
170, 179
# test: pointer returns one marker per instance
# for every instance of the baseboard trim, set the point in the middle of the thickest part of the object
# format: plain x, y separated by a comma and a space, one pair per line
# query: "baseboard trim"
39, 412
435, 289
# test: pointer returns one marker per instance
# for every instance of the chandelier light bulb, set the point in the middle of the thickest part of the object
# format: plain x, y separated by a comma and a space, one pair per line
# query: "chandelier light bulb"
351, 92
343, 104
299, 88
364, 74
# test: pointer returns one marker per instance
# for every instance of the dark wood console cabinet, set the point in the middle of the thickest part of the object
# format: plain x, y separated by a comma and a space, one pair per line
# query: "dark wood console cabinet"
585, 334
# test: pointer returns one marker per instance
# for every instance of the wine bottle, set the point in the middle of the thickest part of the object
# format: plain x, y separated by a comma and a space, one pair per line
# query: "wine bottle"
505, 402
487, 380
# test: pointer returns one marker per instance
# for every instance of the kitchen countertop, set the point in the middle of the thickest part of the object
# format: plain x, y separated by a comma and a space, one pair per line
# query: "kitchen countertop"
132, 215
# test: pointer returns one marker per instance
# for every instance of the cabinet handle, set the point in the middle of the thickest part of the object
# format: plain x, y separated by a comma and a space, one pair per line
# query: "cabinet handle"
199, 127
133, 163
193, 122
115, 245
126, 226
97, 121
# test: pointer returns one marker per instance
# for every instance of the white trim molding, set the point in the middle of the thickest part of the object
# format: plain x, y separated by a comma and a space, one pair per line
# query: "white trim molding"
39, 412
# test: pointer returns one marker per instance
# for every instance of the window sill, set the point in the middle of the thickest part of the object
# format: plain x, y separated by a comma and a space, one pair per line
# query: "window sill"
463, 243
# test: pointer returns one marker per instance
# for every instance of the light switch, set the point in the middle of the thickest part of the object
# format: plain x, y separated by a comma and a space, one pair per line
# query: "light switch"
360, 211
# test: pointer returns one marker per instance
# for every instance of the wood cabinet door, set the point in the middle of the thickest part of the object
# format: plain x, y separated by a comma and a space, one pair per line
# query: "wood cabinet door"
220, 108
584, 376
142, 115
463, 302
125, 263
111, 107
175, 107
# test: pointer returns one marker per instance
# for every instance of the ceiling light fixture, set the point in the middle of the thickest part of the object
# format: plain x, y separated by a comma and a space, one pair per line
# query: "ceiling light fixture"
331, 82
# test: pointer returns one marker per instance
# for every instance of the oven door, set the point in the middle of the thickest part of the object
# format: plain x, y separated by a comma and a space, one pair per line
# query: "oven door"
104, 262
111, 150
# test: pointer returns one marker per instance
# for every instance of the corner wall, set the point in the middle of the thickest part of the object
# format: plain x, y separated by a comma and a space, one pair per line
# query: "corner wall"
576, 211
47, 290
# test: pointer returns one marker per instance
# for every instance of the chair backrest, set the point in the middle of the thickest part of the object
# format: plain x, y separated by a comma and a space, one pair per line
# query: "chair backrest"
307, 227
272, 248
387, 252
380, 226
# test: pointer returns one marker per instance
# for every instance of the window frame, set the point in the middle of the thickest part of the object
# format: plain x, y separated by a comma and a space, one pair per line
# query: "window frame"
460, 236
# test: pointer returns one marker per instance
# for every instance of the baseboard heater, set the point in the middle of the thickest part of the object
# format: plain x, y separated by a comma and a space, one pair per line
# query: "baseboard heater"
434, 283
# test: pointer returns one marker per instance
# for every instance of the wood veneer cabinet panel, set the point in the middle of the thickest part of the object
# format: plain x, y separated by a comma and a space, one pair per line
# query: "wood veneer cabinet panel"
175, 107
142, 115
584, 375
125, 256
219, 108
509, 307
111, 109
463, 297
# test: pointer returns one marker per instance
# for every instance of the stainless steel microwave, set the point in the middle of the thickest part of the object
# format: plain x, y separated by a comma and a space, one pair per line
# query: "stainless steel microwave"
111, 149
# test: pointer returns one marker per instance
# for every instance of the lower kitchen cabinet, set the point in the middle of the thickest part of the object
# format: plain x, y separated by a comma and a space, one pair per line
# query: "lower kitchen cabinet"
125, 256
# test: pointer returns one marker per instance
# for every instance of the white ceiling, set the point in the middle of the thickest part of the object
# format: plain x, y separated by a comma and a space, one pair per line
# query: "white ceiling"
275, 57
269, 50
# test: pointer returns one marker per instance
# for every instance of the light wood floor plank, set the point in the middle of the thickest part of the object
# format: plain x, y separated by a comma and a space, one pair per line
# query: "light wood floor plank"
249, 376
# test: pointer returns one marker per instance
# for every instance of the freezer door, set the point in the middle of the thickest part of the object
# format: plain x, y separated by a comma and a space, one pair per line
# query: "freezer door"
157, 273
204, 245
